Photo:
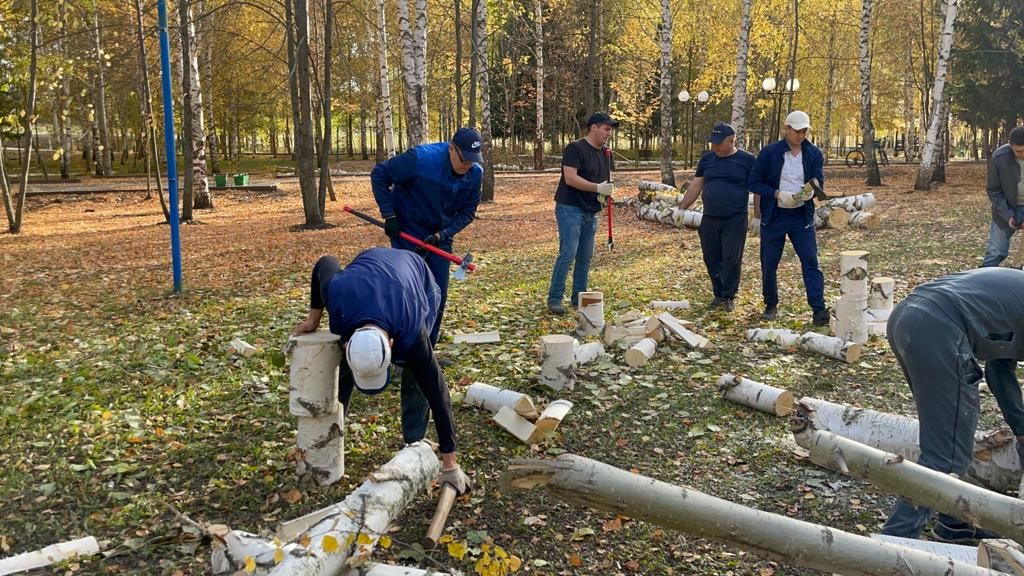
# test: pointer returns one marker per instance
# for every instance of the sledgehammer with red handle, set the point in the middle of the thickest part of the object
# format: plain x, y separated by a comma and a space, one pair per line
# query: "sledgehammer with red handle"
465, 264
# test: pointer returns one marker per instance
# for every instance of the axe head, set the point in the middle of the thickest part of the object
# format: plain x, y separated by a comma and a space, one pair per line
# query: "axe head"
819, 193
460, 272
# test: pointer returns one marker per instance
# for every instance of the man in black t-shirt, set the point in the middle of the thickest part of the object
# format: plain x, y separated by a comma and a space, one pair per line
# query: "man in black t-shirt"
722, 176
582, 190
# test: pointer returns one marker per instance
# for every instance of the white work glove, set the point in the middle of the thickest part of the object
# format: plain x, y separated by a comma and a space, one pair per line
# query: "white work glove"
456, 478
789, 199
605, 189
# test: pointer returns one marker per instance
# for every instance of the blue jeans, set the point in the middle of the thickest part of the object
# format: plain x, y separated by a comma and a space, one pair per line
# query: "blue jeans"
792, 223
999, 235
576, 229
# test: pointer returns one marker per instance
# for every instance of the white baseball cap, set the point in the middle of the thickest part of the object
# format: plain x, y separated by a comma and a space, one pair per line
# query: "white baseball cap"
798, 120
369, 356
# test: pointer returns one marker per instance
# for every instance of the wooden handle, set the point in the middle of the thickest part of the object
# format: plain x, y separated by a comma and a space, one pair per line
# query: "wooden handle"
444, 506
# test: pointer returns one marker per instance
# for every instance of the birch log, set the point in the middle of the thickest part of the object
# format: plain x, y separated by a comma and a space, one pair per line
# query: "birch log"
965, 554
767, 334
865, 219
850, 322
374, 569
641, 352
553, 415
557, 370
590, 316
313, 376
854, 203
881, 296
588, 352
756, 395
367, 511
321, 443
923, 486
671, 304
630, 335
687, 218
830, 346
853, 272
51, 554
492, 398
586, 482
826, 216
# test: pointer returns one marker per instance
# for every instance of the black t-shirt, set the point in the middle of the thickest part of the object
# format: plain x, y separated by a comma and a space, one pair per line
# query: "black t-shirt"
591, 165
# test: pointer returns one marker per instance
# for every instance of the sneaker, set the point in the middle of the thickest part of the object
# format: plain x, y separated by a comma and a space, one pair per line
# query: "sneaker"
821, 317
556, 308
730, 304
961, 533
770, 312
716, 302
445, 363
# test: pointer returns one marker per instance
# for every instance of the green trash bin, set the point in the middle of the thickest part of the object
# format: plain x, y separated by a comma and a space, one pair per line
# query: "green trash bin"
221, 180
242, 179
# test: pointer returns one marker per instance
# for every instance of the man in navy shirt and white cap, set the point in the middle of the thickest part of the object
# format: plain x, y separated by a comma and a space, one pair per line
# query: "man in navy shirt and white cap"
721, 177
382, 306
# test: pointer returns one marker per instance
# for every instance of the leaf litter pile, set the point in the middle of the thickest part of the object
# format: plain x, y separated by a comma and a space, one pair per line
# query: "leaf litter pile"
126, 415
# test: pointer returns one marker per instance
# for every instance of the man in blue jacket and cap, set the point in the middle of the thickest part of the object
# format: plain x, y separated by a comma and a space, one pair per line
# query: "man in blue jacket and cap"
382, 306
431, 192
780, 177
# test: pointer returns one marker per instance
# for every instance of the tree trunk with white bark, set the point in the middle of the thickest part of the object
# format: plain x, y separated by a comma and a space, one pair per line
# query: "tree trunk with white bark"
197, 131
103, 151
586, 482
739, 85
558, 370
865, 219
848, 318
924, 172
665, 137
538, 46
414, 47
864, 201
313, 376
867, 127
756, 395
641, 352
17, 210
830, 346
321, 444
826, 216
483, 80
384, 105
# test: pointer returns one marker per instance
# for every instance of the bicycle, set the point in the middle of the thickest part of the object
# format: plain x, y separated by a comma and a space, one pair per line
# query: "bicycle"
855, 157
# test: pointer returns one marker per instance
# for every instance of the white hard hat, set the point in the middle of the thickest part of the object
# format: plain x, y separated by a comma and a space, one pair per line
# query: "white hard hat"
798, 120
369, 355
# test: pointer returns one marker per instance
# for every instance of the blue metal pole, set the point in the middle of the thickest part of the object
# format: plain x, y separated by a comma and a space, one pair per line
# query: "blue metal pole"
172, 167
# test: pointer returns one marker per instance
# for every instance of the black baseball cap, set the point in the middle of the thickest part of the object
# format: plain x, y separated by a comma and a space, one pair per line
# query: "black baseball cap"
469, 142
720, 132
601, 118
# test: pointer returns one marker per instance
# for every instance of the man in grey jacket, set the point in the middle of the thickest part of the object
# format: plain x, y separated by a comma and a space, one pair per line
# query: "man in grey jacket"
938, 335
1005, 190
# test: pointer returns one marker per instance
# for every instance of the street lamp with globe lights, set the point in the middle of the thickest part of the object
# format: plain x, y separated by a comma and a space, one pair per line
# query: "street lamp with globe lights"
770, 87
688, 100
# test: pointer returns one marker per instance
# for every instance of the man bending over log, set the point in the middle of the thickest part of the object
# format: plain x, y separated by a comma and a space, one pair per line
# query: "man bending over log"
383, 306
938, 335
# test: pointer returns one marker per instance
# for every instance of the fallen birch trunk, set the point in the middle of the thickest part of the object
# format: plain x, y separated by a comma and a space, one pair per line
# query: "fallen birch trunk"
854, 203
965, 554
641, 352
51, 554
925, 487
756, 395
492, 398
313, 375
586, 482
557, 370
367, 511
865, 219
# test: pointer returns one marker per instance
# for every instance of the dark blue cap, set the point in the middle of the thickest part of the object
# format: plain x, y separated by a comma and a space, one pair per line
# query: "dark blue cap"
469, 142
601, 118
720, 132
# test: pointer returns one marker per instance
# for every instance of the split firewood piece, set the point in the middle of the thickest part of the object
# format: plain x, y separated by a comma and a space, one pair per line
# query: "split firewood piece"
586, 482
854, 203
524, 430
865, 219
655, 331
641, 352
557, 370
926, 487
756, 395
671, 304
346, 537
477, 338
313, 376
321, 444
830, 346
587, 352
1002, 555
631, 335
292, 529
590, 316
552, 415
627, 317
826, 216
676, 328
492, 398
957, 553
51, 554
882, 289
239, 346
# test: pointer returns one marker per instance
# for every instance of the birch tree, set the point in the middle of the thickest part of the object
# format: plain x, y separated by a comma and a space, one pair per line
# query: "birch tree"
739, 87
15, 211
384, 105
666, 94
64, 99
924, 172
413, 40
152, 157
196, 129
103, 150
538, 28
325, 106
867, 128
480, 56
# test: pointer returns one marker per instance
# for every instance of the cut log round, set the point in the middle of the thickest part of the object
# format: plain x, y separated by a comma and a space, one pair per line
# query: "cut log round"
830, 346
865, 219
854, 203
553, 415
827, 217
756, 395
321, 444
492, 398
882, 289
586, 482
590, 315
313, 375
588, 352
850, 321
641, 352
654, 330
853, 265
557, 370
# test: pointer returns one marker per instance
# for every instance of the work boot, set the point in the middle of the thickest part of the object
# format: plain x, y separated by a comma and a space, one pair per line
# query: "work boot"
960, 533
820, 317
716, 302
730, 304
771, 312
556, 308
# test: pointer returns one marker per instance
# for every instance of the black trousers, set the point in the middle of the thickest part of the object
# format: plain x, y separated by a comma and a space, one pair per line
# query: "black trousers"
722, 241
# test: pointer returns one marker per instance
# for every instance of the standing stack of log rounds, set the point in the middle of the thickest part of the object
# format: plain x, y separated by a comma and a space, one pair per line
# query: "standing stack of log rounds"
313, 398
848, 314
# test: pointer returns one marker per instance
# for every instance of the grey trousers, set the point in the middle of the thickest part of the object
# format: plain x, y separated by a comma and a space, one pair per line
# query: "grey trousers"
938, 362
